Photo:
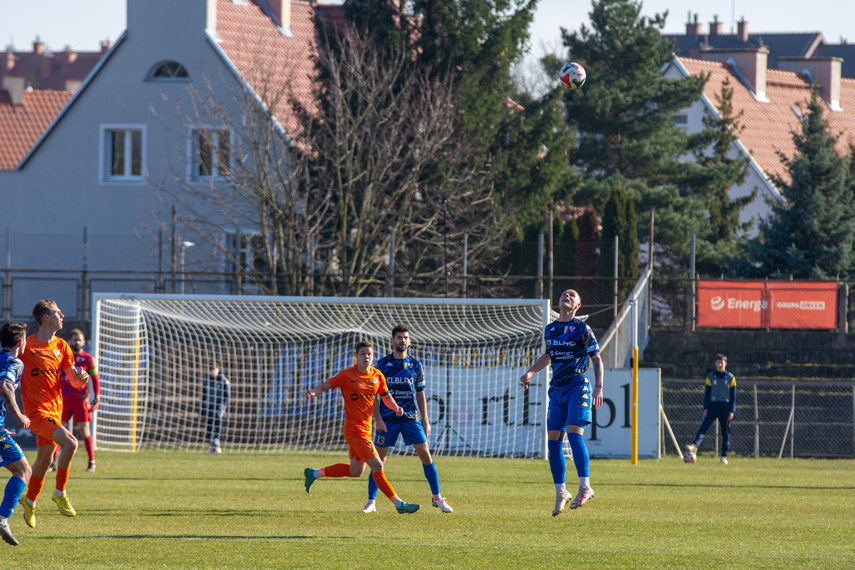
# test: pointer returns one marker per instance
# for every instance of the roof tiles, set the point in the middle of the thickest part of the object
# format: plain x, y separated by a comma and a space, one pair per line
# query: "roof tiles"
769, 126
271, 62
22, 125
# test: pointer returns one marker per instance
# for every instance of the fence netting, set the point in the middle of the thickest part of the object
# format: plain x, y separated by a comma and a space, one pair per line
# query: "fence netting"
791, 419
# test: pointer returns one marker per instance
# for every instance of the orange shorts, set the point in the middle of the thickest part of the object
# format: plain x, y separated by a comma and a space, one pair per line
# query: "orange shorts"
43, 427
360, 447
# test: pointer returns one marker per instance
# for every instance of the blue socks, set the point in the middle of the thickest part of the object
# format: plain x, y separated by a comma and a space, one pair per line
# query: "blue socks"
556, 460
372, 488
432, 477
580, 453
14, 489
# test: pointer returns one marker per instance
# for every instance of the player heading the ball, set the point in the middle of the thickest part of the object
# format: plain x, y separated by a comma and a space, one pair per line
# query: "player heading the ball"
359, 386
569, 344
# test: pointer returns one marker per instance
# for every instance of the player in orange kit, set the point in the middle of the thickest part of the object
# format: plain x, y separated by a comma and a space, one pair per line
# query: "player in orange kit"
41, 394
359, 385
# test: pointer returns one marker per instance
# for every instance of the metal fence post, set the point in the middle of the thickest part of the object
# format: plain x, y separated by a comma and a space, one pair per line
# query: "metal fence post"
756, 424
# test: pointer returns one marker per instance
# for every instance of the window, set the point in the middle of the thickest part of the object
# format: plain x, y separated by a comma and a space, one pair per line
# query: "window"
169, 71
210, 153
681, 121
122, 152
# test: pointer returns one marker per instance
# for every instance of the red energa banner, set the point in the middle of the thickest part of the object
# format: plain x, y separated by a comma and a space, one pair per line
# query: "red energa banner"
767, 304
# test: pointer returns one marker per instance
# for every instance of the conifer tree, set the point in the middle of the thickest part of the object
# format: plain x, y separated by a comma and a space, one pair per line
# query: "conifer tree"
717, 171
618, 219
811, 235
624, 115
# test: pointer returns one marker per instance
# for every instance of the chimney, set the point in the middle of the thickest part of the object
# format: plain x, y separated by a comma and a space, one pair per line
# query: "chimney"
281, 10
105, 46
15, 86
10, 59
742, 30
38, 47
715, 26
693, 28
749, 64
825, 71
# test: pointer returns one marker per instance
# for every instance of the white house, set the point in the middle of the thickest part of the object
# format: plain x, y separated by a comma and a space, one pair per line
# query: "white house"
772, 102
93, 167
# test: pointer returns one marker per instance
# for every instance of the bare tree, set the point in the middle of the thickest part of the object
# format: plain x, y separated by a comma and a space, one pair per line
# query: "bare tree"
376, 153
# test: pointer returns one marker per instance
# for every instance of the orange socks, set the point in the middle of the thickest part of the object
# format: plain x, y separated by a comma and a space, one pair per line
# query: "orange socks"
61, 479
383, 484
336, 470
35, 487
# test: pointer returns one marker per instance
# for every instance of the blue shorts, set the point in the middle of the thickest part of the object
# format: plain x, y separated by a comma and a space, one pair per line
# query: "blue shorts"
10, 451
413, 434
569, 405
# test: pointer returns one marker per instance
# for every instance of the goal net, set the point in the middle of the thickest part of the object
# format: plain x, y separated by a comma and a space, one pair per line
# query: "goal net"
154, 351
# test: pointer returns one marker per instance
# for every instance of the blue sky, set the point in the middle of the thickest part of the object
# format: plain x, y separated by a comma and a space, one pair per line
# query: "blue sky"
81, 24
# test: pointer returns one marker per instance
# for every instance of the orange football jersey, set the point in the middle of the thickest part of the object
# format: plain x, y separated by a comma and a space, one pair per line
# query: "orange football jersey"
41, 390
359, 391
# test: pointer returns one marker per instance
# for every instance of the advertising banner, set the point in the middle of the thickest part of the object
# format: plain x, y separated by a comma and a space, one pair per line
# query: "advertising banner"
768, 304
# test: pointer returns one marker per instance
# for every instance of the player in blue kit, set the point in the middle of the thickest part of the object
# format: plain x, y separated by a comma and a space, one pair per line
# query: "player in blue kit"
406, 383
569, 345
13, 339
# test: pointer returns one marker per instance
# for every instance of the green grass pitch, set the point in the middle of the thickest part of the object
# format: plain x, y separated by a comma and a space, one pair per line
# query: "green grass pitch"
193, 510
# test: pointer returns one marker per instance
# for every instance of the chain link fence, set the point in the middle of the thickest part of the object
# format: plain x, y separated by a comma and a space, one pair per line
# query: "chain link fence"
772, 419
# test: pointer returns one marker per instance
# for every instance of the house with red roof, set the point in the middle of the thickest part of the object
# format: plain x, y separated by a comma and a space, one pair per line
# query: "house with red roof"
41, 69
85, 164
772, 102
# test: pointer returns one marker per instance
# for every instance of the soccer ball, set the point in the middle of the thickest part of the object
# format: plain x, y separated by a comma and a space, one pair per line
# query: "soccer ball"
689, 457
572, 75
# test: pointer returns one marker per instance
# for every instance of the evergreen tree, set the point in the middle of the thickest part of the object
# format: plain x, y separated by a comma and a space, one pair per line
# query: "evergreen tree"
716, 173
619, 220
624, 115
811, 235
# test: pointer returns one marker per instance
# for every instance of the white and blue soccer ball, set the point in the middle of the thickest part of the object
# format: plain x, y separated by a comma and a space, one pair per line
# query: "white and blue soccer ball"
572, 75
689, 457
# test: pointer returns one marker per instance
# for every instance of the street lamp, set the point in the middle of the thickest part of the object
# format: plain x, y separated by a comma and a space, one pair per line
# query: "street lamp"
184, 246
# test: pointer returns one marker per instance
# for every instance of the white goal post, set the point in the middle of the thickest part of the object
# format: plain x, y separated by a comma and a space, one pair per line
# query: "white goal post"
153, 352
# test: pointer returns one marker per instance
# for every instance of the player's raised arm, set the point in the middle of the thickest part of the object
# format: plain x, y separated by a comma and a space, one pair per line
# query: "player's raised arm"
538, 365
318, 390
392, 404
77, 376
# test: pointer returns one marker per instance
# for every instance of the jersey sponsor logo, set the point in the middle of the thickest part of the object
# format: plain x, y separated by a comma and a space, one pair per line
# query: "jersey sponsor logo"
47, 371
562, 343
356, 396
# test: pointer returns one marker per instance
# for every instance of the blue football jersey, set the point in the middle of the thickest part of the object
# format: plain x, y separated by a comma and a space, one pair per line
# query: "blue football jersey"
404, 378
10, 371
569, 345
